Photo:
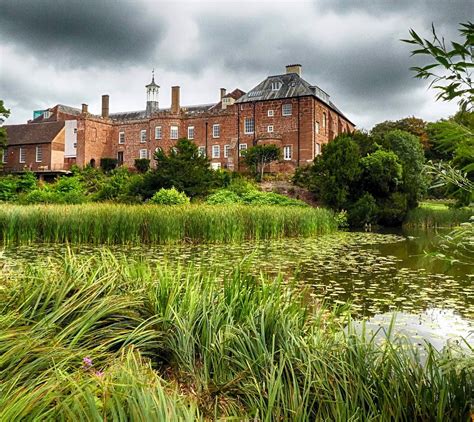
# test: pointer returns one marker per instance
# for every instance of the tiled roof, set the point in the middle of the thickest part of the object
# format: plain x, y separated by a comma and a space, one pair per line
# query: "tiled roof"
235, 94
289, 85
33, 133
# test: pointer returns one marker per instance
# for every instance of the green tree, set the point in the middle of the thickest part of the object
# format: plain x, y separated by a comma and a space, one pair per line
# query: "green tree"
451, 69
4, 114
381, 173
259, 156
412, 125
182, 168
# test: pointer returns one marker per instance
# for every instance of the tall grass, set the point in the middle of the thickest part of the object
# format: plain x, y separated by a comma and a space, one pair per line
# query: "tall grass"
107, 223
428, 216
176, 344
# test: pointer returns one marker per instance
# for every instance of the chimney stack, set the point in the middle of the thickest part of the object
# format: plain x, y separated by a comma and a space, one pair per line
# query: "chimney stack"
294, 68
105, 106
223, 92
85, 108
175, 107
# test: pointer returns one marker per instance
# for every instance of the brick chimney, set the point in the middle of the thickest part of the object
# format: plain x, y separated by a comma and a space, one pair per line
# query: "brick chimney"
85, 108
294, 68
105, 106
223, 92
175, 107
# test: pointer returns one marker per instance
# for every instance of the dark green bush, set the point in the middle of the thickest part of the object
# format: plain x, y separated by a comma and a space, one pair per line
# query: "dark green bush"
142, 165
363, 211
108, 164
394, 209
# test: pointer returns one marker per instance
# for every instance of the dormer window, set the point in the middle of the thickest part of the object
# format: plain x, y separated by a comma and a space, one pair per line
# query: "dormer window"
276, 85
46, 114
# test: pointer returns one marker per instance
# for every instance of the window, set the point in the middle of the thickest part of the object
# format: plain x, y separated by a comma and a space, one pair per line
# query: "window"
276, 85
190, 132
270, 128
75, 130
174, 132
216, 131
158, 149
318, 149
215, 166
286, 109
39, 154
202, 151
287, 152
270, 113
216, 151
121, 137
143, 136
158, 132
4, 156
22, 155
226, 151
316, 127
242, 147
46, 114
324, 120
249, 125
143, 153
120, 158
74, 145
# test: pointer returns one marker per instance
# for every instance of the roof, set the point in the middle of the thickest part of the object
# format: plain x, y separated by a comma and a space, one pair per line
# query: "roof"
141, 114
235, 94
288, 85
33, 133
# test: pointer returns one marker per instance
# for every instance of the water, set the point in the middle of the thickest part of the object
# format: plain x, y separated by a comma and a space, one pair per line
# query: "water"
378, 273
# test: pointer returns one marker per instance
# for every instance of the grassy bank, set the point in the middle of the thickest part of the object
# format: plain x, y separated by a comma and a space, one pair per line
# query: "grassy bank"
432, 215
108, 339
108, 223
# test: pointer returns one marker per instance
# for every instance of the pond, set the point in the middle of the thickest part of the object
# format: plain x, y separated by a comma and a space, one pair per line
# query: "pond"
378, 273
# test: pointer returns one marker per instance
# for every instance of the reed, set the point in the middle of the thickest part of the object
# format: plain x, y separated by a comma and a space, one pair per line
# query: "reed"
435, 216
111, 224
107, 338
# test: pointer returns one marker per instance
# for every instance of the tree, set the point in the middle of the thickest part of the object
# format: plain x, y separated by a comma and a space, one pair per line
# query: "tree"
381, 173
451, 72
412, 125
4, 114
259, 156
183, 168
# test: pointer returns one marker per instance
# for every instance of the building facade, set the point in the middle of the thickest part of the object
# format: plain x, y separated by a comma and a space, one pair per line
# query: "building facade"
284, 110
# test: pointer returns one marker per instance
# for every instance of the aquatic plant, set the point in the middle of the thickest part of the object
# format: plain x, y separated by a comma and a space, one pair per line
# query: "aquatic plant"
428, 216
107, 338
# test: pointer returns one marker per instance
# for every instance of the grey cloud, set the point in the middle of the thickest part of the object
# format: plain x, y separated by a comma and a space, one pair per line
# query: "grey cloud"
80, 33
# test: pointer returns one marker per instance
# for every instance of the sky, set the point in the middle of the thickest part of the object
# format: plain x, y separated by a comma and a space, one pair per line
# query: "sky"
71, 52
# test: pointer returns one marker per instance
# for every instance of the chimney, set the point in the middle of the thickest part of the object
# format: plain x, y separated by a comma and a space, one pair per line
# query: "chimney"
175, 107
223, 92
85, 108
105, 106
294, 68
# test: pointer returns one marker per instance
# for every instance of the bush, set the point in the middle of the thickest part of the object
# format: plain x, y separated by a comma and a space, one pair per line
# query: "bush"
394, 209
108, 164
68, 184
224, 196
47, 196
8, 188
270, 198
169, 197
142, 165
363, 211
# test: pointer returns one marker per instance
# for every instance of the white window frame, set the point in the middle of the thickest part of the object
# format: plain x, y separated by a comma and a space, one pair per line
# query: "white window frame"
287, 109
158, 132
121, 139
143, 153
174, 132
216, 131
270, 128
142, 136
216, 166
226, 151
202, 151
317, 149
316, 128
270, 113
324, 120
276, 85
242, 147
216, 151
249, 121
190, 132
5, 156
22, 155
287, 153
39, 154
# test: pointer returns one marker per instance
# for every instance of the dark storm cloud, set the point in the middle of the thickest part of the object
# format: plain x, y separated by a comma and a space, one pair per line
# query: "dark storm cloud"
81, 33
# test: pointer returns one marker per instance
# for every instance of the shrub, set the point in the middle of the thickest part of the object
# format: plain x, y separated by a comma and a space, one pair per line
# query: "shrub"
47, 196
169, 197
224, 196
108, 164
142, 165
363, 211
270, 198
393, 210
68, 184
8, 188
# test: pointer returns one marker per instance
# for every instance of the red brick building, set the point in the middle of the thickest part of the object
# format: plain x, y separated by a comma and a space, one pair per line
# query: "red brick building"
283, 109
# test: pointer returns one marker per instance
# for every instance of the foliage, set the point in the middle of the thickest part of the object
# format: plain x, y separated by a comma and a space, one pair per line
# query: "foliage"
363, 211
413, 125
270, 198
259, 156
381, 173
183, 168
11, 186
430, 217
169, 197
107, 338
108, 164
224, 196
142, 165
124, 224
4, 114
450, 73
393, 210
